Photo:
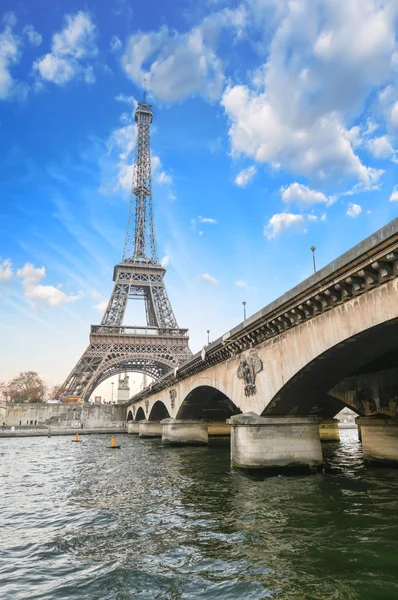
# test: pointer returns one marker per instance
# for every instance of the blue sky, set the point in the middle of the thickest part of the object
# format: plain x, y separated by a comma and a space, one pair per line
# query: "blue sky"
275, 129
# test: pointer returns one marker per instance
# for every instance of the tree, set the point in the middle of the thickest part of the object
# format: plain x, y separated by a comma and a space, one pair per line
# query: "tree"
54, 392
25, 387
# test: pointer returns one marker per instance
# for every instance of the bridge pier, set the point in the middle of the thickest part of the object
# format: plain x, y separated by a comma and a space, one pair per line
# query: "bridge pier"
275, 442
379, 439
133, 427
218, 428
329, 430
150, 429
184, 432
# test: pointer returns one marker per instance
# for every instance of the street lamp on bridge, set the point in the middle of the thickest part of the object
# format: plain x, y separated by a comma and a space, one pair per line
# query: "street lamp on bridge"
313, 257
244, 310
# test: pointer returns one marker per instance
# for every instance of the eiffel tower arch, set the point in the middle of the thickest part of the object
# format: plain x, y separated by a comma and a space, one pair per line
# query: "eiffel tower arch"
159, 345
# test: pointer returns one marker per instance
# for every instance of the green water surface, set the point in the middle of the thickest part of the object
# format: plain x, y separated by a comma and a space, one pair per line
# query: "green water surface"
82, 522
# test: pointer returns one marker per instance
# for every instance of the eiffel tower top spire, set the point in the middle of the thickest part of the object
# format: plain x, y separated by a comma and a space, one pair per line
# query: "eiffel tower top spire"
140, 244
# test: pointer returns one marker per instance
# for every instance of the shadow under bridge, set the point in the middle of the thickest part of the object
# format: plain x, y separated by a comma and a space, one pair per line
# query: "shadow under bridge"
208, 403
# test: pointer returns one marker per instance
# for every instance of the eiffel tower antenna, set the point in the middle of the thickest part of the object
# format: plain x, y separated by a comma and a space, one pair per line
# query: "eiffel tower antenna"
159, 345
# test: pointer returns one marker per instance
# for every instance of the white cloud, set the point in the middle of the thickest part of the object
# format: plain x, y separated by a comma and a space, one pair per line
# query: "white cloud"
278, 223
241, 283
318, 150
299, 110
55, 69
120, 149
31, 275
160, 176
353, 210
381, 147
33, 36
6, 272
175, 65
126, 99
163, 178
304, 196
246, 175
10, 54
394, 194
165, 260
209, 279
46, 294
101, 306
394, 114
70, 50
207, 220
203, 220
115, 44
89, 76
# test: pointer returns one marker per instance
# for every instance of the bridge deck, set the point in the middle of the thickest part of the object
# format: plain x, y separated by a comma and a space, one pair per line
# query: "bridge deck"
368, 264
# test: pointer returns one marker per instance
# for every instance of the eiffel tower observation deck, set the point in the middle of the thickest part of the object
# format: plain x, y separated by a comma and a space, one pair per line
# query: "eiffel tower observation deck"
159, 345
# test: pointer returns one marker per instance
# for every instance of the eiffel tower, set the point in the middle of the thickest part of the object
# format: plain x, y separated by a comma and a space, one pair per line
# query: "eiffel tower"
160, 345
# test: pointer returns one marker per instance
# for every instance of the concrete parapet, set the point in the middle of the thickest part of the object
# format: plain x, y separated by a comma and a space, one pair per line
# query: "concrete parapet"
329, 430
275, 442
218, 428
379, 439
150, 429
133, 427
184, 432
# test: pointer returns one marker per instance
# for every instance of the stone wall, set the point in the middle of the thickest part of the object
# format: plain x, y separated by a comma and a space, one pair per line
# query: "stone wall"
62, 415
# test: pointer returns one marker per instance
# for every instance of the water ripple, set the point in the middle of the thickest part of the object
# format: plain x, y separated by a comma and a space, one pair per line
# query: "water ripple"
80, 522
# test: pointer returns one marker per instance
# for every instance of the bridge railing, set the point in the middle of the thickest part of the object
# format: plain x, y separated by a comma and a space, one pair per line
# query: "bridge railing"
109, 330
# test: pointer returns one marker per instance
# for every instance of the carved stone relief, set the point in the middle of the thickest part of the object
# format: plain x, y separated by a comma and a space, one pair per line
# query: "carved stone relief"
173, 396
248, 368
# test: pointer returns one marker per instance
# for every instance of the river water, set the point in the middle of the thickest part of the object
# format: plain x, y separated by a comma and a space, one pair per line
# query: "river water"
82, 522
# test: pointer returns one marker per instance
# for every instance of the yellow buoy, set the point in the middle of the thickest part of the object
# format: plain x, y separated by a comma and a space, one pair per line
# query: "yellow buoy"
113, 444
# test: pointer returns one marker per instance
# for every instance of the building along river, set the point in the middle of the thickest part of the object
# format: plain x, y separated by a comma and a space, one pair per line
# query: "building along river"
80, 521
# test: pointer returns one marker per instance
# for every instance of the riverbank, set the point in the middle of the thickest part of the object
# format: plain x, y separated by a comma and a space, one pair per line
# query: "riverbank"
48, 432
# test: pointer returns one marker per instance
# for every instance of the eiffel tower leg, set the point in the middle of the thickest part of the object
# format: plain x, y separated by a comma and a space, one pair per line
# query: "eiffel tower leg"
76, 382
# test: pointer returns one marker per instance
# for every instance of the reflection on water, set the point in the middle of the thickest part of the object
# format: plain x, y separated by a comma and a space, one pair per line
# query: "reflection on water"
78, 521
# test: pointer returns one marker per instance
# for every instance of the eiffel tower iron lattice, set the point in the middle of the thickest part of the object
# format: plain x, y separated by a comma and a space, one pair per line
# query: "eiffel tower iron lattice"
158, 346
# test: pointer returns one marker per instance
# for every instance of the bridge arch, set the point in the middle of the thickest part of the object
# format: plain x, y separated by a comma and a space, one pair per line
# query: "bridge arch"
318, 386
130, 416
158, 411
207, 402
140, 416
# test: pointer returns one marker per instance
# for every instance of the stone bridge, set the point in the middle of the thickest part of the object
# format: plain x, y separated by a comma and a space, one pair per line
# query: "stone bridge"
330, 342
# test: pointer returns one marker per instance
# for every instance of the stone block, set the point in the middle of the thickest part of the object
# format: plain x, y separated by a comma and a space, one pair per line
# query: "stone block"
329, 430
379, 439
184, 432
218, 428
133, 427
275, 442
150, 429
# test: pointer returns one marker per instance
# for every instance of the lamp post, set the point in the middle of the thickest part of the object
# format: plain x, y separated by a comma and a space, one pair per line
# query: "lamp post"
313, 257
208, 338
244, 310
112, 384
